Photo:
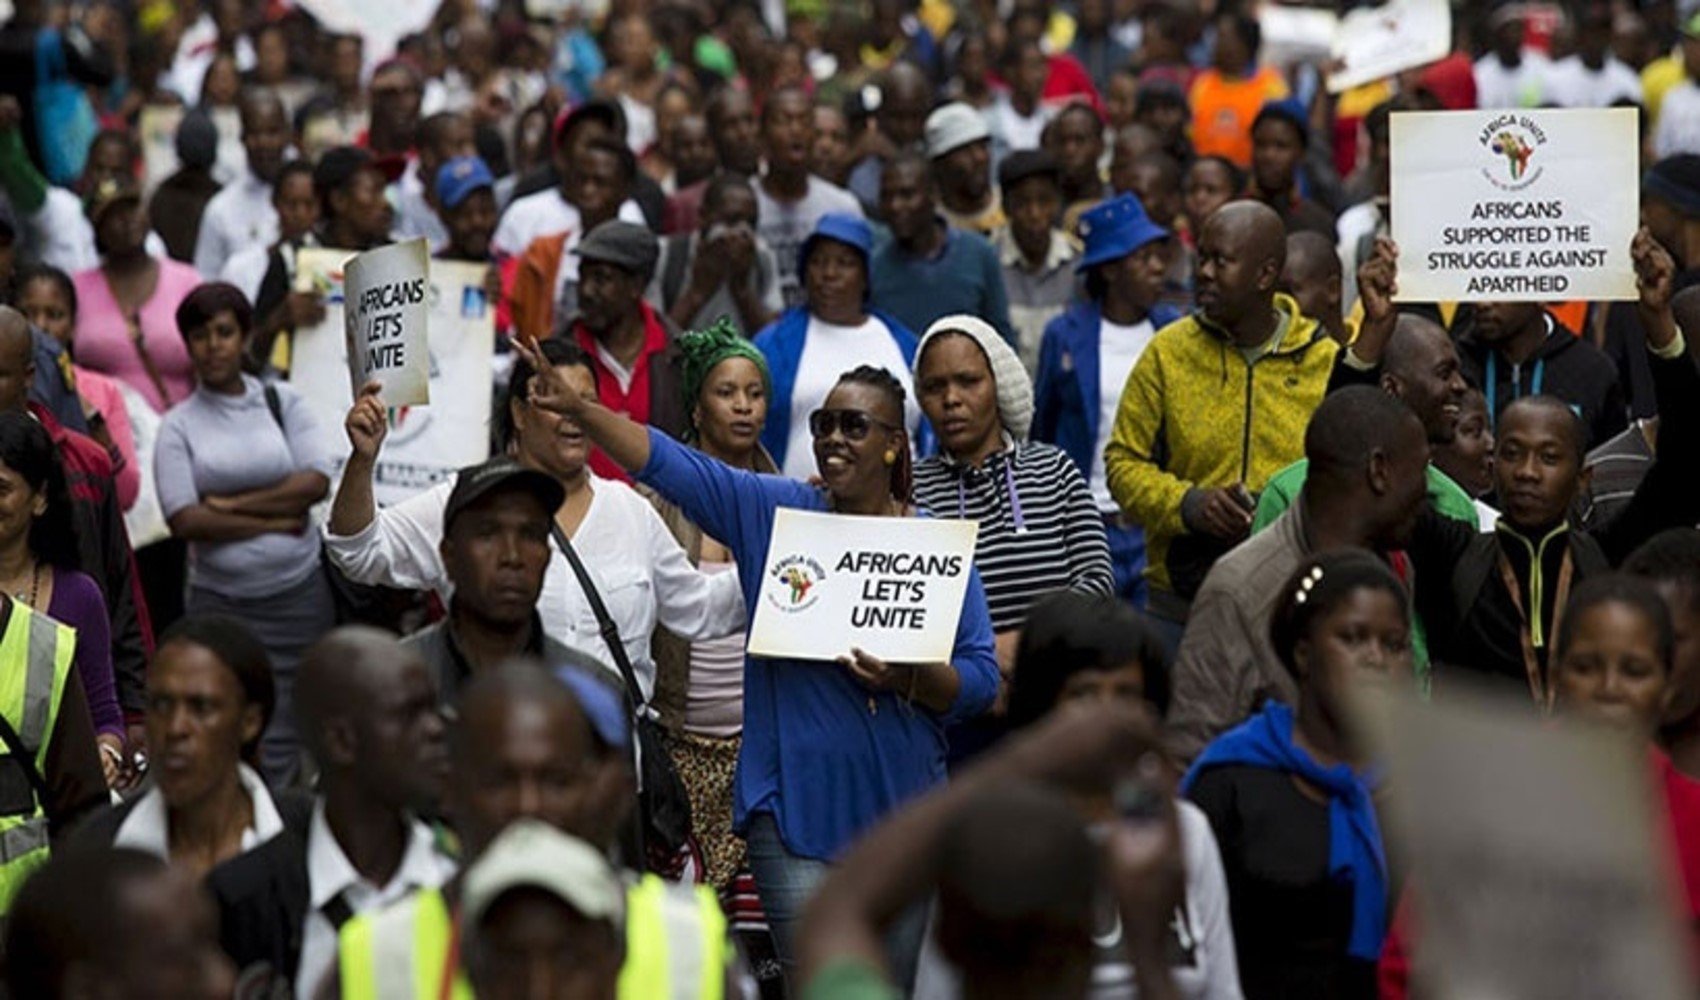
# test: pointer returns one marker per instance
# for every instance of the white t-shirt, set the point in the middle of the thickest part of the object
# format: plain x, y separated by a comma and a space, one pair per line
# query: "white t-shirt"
240, 216
642, 574
1119, 348
830, 350
545, 213
1573, 85
1679, 121
1523, 87
784, 225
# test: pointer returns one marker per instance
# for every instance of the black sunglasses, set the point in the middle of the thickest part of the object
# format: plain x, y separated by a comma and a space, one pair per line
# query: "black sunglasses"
854, 423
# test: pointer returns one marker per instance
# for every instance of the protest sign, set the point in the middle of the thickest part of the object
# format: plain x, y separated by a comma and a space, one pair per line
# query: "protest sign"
387, 321
1536, 854
156, 132
891, 586
1295, 35
380, 23
428, 444
1515, 206
1373, 43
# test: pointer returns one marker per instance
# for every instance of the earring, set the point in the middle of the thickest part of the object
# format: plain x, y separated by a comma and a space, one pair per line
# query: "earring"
890, 457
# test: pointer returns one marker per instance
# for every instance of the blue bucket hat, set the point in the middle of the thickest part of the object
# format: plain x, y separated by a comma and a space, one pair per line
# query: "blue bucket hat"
460, 177
850, 230
1115, 228
1287, 109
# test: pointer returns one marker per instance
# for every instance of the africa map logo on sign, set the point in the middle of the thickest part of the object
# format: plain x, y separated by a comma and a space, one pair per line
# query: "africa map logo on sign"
1513, 140
799, 574
1516, 150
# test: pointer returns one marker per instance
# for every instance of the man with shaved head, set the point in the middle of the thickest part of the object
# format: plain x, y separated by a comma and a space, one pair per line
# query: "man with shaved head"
1216, 404
554, 747
368, 714
103, 544
905, 98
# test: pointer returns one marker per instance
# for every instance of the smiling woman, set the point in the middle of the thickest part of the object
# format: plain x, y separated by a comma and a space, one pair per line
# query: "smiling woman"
829, 747
240, 496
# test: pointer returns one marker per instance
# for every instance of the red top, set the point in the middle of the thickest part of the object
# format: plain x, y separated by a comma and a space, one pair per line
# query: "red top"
634, 401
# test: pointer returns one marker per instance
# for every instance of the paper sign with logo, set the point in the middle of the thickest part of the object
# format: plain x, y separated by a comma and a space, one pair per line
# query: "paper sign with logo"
891, 586
1515, 206
386, 315
426, 444
1535, 851
1373, 43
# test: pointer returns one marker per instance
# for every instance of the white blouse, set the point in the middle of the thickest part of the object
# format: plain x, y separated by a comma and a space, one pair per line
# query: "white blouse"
639, 569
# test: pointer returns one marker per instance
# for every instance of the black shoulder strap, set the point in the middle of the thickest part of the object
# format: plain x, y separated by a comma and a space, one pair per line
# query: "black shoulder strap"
1471, 573
26, 757
275, 405
604, 622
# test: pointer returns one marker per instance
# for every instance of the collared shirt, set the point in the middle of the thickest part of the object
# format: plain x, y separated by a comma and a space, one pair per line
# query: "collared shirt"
239, 216
622, 389
330, 874
1036, 296
148, 827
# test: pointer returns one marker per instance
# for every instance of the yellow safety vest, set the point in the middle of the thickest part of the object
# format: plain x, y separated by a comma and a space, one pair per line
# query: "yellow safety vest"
676, 947
35, 663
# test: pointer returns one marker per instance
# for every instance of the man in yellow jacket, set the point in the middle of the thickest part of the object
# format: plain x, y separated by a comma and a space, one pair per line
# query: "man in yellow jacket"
1216, 404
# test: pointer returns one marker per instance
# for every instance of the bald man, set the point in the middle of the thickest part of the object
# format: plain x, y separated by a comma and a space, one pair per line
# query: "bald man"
1216, 404
368, 714
103, 544
529, 744
1312, 276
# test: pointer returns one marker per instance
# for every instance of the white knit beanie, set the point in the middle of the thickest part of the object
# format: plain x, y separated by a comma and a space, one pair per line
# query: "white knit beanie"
1015, 392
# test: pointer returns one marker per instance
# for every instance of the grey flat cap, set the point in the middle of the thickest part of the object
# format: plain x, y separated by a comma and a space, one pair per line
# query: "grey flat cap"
626, 245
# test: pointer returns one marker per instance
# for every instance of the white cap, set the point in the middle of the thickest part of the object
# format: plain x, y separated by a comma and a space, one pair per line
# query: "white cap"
531, 853
953, 126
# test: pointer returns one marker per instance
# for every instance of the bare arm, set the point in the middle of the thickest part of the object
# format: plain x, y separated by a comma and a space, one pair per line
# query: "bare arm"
898, 861
291, 496
621, 438
354, 507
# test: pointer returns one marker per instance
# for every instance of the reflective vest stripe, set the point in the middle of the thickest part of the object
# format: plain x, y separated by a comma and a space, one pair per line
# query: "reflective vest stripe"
716, 946
38, 681
357, 961
17, 841
35, 664
432, 930
644, 972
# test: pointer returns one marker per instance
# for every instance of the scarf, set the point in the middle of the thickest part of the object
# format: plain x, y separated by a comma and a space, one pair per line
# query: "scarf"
1355, 853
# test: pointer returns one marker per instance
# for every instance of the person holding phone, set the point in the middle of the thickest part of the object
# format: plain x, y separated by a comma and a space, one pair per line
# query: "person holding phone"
722, 269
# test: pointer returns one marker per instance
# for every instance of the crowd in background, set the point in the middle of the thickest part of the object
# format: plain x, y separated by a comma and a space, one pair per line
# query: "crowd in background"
1113, 278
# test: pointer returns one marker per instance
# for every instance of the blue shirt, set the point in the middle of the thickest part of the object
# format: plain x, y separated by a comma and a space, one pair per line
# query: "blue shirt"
965, 276
822, 755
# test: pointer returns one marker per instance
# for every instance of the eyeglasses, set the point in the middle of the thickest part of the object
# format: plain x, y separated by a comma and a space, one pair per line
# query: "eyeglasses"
854, 423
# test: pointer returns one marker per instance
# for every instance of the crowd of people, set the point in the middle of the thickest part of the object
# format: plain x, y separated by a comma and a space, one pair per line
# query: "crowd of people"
1112, 278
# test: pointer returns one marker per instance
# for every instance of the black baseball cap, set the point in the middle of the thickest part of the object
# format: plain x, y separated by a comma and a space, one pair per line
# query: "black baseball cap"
475, 482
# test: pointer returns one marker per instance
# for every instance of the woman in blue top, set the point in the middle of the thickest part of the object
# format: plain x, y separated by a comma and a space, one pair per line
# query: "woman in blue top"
829, 747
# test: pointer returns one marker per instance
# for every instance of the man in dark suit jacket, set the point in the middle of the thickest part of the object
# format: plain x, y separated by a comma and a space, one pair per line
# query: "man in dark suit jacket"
369, 715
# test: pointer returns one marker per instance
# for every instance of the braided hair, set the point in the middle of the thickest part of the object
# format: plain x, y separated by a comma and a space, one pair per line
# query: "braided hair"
1318, 586
874, 377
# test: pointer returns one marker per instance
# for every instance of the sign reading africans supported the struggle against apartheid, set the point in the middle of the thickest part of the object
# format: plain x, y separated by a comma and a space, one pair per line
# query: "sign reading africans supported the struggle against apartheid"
1535, 205
890, 586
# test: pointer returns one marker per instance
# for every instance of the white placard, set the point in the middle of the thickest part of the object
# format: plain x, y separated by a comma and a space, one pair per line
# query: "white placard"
1373, 43
381, 23
387, 319
1293, 35
1536, 853
157, 134
426, 444
1515, 206
891, 586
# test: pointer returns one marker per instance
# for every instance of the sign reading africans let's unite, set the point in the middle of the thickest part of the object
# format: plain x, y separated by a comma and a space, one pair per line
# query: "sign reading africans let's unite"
890, 586
1507, 206
387, 321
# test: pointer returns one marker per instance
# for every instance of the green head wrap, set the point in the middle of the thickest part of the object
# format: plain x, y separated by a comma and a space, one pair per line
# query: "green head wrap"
701, 350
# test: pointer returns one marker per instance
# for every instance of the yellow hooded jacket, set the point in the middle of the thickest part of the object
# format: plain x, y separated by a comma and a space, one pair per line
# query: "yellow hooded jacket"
1195, 414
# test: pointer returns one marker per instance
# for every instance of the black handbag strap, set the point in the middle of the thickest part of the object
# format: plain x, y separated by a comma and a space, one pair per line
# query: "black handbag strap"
26, 757
604, 621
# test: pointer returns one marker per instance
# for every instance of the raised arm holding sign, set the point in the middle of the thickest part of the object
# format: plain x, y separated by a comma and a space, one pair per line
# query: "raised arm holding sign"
828, 747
